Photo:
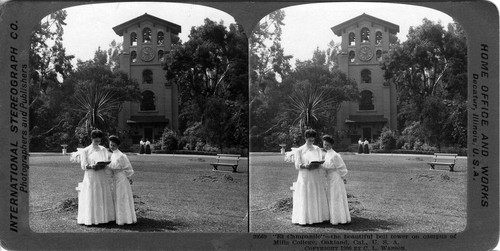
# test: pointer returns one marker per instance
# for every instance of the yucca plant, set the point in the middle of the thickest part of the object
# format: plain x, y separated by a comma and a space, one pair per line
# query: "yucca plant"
310, 103
97, 104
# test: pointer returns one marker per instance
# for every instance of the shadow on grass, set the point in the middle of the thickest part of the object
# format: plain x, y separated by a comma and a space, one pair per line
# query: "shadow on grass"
144, 225
357, 224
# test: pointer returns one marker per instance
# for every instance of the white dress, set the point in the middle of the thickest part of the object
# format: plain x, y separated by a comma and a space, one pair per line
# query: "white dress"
309, 196
123, 197
337, 196
95, 201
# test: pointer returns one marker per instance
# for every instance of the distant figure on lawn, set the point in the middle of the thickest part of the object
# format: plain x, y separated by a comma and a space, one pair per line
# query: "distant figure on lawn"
122, 171
366, 146
336, 193
95, 202
360, 145
148, 146
310, 204
142, 146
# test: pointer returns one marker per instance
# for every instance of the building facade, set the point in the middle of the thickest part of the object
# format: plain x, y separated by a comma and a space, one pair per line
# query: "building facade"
146, 41
365, 39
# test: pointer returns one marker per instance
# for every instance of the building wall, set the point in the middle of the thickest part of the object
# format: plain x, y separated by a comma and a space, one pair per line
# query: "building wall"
165, 94
384, 96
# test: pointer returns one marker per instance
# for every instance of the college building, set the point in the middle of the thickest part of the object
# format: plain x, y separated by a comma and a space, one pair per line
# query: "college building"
146, 41
365, 39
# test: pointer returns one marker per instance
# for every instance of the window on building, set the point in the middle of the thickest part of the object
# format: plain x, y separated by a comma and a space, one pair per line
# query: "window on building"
146, 35
133, 39
133, 57
147, 77
378, 54
366, 76
378, 37
366, 102
160, 38
161, 57
352, 39
365, 35
148, 101
352, 55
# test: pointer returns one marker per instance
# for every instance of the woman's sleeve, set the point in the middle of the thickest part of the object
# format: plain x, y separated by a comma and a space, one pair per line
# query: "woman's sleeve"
298, 158
328, 162
340, 164
83, 159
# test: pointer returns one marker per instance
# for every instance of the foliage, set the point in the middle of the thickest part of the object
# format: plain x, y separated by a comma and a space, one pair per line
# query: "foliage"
169, 140
211, 70
387, 139
429, 71
268, 61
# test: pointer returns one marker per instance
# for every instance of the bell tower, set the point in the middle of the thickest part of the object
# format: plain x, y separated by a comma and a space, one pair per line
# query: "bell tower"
146, 41
365, 39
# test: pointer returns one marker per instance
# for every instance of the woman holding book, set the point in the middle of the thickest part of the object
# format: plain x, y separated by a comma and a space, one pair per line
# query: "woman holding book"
95, 201
310, 203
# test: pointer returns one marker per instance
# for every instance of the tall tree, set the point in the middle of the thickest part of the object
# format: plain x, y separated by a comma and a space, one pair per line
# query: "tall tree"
427, 69
49, 66
211, 65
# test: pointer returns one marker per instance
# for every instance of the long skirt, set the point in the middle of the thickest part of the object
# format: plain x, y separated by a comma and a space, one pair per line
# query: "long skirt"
360, 148
141, 151
310, 204
337, 199
148, 149
366, 149
95, 200
124, 200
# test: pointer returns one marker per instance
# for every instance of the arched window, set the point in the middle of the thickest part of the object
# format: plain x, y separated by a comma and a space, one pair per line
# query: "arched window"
366, 102
365, 35
352, 55
366, 76
148, 101
133, 57
133, 39
161, 56
378, 54
147, 76
352, 39
146, 35
378, 37
160, 38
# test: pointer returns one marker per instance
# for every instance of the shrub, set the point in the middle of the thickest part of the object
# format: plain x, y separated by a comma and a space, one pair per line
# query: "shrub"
169, 141
387, 139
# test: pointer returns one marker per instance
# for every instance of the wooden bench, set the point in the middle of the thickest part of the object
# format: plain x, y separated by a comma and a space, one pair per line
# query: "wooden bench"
226, 160
444, 159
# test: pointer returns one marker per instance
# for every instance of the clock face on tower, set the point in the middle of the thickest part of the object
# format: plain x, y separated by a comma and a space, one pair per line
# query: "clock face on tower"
365, 53
147, 54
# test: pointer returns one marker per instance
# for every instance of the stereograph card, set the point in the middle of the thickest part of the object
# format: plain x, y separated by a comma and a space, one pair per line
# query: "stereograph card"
480, 21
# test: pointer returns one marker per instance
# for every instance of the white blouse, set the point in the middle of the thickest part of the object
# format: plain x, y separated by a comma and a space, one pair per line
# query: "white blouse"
333, 162
120, 162
90, 156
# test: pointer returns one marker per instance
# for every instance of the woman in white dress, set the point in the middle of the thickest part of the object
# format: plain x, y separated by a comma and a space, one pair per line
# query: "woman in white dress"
122, 171
95, 201
309, 196
335, 172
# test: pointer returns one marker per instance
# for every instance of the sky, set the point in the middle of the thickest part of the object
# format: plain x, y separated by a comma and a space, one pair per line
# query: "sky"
91, 26
306, 26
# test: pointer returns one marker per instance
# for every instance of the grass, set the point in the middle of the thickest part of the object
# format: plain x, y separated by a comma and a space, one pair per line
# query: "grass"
171, 193
385, 193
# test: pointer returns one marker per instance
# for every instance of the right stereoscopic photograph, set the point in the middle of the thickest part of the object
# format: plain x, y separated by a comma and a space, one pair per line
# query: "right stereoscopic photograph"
358, 120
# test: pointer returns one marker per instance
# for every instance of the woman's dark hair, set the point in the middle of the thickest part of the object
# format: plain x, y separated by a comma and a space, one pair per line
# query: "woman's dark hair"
96, 134
310, 133
114, 139
328, 139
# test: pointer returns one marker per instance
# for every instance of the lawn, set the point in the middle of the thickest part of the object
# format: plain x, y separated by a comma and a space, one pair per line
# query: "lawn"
386, 194
172, 194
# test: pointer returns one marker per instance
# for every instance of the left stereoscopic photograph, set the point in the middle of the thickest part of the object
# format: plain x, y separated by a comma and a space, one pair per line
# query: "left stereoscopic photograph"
138, 120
